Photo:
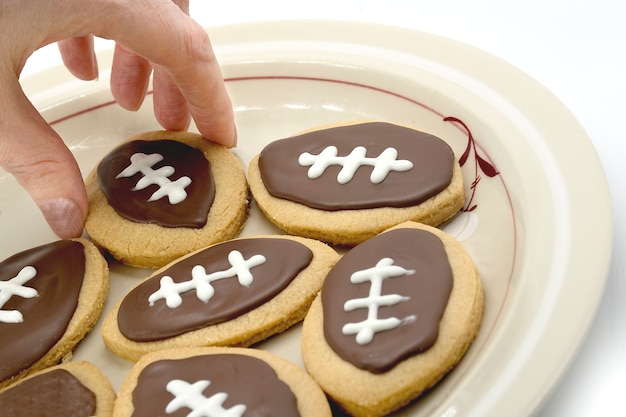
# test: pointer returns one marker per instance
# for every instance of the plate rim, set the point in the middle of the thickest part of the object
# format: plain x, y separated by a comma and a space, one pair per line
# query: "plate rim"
349, 32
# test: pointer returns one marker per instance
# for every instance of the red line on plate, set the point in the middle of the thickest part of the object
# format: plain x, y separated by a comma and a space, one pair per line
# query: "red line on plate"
369, 87
81, 112
332, 80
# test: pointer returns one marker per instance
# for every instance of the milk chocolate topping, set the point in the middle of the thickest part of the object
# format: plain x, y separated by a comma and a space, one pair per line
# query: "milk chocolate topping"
52, 394
140, 322
431, 173
133, 204
425, 291
246, 380
60, 270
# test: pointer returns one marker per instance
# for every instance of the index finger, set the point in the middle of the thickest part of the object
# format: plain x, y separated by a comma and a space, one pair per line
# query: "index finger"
180, 47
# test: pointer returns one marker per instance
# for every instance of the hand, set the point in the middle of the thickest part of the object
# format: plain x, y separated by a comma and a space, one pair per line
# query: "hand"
151, 36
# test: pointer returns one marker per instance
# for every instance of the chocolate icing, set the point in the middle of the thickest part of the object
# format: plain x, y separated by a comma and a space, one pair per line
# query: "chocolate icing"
428, 289
246, 380
140, 322
285, 178
52, 394
60, 271
134, 205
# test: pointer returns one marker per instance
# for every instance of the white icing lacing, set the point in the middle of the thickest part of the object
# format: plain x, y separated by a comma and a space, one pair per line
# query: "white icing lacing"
366, 329
383, 163
190, 396
201, 282
15, 286
173, 190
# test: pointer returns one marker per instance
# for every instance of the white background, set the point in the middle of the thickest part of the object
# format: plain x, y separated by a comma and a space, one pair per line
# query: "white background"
577, 49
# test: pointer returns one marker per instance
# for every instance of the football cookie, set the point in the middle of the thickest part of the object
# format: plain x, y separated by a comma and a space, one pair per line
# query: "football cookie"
76, 389
234, 293
395, 314
215, 381
344, 184
160, 195
50, 297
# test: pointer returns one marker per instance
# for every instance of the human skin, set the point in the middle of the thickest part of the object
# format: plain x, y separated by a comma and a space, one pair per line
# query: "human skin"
153, 38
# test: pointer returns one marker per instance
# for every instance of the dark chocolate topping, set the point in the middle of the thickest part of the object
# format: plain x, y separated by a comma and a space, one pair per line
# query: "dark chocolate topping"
133, 203
60, 270
431, 173
52, 394
285, 259
427, 288
244, 379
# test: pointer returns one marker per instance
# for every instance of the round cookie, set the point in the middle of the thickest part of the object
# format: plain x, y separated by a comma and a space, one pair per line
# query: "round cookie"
234, 293
374, 360
344, 184
160, 195
246, 379
77, 389
50, 297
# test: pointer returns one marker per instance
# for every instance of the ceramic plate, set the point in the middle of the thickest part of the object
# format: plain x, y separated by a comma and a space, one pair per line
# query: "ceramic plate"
536, 220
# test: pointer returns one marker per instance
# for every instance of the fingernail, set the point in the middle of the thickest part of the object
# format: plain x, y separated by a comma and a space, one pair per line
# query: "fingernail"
234, 137
64, 217
96, 75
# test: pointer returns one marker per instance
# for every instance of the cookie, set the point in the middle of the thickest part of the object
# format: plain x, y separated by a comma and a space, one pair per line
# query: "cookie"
50, 297
345, 184
77, 389
234, 293
395, 314
160, 195
220, 381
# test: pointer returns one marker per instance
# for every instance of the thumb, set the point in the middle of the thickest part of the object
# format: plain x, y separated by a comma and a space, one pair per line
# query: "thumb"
36, 156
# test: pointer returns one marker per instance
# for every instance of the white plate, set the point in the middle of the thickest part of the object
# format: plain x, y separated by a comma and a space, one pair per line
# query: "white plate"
542, 258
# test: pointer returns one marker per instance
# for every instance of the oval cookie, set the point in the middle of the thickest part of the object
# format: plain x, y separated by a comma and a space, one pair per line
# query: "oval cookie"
395, 315
50, 297
77, 389
344, 184
219, 381
160, 195
233, 293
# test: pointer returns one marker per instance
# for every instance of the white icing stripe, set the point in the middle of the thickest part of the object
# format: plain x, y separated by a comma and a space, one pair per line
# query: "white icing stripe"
190, 396
383, 164
201, 281
15, 287
173, 190
365, 330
